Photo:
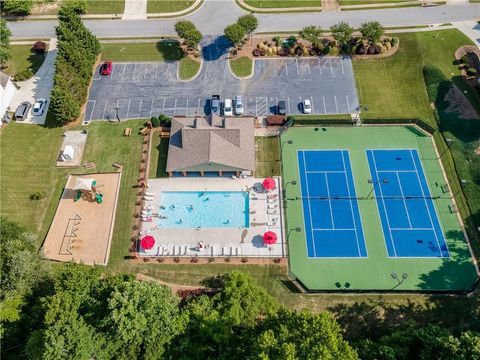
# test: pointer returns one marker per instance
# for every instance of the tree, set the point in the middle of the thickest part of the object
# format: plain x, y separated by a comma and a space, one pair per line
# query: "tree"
299, 335
342, 32
235, 34
4, 34
311, 34
16, 7
4, 56
77, 6
372, 31
248, 22
189, 33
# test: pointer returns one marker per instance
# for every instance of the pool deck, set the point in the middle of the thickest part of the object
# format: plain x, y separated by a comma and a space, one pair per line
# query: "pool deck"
220, 242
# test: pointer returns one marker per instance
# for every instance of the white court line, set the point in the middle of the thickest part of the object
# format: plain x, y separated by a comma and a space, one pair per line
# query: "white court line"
93, 109
151, 108
175, 108
398, 171
296, 61
324, 106
323, 172
309, 206
140, 109
331, 69
329, 202
311, 99
128, 108
410, 229
319, 229
350, 201
286, 68
336, 105
348, 103
403, 200
341, 62
104, 109
163, 109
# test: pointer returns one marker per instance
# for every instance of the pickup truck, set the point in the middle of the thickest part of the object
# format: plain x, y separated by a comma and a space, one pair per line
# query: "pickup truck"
215, 104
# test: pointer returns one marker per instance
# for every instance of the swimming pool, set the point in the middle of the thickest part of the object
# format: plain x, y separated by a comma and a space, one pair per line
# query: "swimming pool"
208, 209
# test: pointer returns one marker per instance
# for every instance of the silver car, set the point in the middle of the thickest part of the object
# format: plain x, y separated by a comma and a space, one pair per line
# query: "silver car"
239, 108
39, 107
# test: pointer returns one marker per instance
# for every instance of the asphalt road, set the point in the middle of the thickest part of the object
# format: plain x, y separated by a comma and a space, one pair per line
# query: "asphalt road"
137, 90
214, 15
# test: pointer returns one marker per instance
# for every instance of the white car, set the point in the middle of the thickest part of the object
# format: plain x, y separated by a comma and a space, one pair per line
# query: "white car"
39, 107
307, 106
227, 107
239, 108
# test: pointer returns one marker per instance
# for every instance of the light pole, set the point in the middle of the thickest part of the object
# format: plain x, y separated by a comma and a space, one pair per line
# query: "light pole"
449, 144
375, 183
400, 282
359, 108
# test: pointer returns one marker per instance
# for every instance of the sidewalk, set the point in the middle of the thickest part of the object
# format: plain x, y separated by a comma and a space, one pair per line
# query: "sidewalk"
244, 5
470, 29
135, 10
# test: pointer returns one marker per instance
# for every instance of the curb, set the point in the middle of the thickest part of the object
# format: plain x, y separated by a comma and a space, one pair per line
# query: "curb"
193, 77
246, 7
240, 77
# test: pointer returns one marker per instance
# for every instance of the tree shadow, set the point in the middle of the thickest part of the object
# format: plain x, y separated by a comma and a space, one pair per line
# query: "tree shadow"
170, 50
214, 49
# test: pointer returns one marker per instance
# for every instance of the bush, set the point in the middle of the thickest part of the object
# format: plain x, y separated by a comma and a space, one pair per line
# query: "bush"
165, 120
361, 49
277, 40
16, 7
39, 47
38, 195
395, 41
374, 49
472, 71
465, 60
155, 121
388, 46
327, 49
23, 75
77, 6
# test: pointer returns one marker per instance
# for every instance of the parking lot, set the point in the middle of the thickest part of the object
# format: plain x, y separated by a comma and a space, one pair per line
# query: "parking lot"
137, 90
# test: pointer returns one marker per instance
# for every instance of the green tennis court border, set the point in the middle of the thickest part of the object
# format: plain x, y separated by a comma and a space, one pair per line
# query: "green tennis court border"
457, 273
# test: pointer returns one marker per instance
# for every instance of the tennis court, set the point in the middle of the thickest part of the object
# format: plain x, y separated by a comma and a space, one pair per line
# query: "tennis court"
409, 220
331, 215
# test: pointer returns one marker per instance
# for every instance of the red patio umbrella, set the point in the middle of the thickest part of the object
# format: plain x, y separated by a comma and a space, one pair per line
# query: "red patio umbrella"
269, 183
147, 242
269, 238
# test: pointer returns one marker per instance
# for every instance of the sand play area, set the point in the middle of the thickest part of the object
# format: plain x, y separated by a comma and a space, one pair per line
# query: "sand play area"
82, 230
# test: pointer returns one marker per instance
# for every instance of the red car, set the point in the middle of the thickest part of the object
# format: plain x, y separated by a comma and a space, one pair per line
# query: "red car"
106, 68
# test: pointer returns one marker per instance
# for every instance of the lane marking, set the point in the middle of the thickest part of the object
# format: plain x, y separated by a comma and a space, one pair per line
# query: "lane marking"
186, 112
113, 71
198, 106
123, 72
320, 66
145, 72
93, 109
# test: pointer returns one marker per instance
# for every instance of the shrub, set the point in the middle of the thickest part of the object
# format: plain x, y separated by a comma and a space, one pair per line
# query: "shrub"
23, 75
388, 46
260, 45
327, 49
165, 120
188, 32
277, 40
155, 121
298, 51
40, 47
16, 7
372, 31
345, 48
465, 60
395, 41
291, 41
284, 52
77, 6
361, 49
244, 260
227, 260
211, 260
374, 49
235, 33
256, 52
38, 195
472, 71
249, 22
176, 259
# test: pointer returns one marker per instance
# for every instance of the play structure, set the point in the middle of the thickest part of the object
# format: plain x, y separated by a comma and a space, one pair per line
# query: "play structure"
88, 190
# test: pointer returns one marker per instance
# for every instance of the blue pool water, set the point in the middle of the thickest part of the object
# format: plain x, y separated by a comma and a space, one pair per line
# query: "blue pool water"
209, 209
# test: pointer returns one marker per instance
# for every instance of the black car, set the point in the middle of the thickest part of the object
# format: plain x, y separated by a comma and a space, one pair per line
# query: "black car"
282, 107
22, 111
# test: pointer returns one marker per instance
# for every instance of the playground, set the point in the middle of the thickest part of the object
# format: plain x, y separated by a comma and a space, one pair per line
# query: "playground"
82, 227
370, 209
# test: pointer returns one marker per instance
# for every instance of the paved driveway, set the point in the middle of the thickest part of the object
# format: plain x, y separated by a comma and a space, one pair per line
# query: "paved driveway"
136, 90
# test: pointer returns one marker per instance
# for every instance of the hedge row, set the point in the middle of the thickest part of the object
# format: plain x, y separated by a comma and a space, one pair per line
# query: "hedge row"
77, 52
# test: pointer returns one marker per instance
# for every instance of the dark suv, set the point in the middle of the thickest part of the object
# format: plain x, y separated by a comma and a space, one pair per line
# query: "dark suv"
22, 111
282, 108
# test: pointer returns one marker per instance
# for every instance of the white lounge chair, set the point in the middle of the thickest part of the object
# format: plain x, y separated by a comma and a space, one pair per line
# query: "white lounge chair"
226, 251
238, 251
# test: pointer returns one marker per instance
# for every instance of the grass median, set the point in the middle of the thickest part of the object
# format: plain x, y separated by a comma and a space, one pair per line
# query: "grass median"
188, 68
106, 7
242, 66
142, 51
283, 3
168, 6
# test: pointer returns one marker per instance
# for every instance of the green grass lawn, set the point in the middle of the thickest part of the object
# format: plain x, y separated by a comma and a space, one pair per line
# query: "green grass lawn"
363, 2
241, 67
394, 88
267, 156
188, 68
27, 159
166, 6
150, 51
106, 7
158, 157
283, 3
22, 59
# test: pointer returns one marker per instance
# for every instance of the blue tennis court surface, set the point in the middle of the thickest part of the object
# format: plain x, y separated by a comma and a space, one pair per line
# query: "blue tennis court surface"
332, 219
409, 220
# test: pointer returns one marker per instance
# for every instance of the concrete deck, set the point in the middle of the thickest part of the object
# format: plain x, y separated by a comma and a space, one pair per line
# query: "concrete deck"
219, 241
76, 139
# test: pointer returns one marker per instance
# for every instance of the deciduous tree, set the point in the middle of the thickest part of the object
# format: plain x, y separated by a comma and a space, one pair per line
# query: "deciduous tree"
342, 32
249, 22
16, 7
235, 34
372, 31
311, 34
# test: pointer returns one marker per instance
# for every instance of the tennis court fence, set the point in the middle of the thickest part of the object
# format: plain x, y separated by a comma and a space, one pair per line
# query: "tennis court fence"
367, 197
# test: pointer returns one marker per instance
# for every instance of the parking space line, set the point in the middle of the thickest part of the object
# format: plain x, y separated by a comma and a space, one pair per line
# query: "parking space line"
175, 109
336, 104
123, 72
156, 72
308, 68
140, 109
341, 62
286, 67
134, 71
151, 108
186, 112
275, 106
313, 109
163, 109
320, 66
275, 66
113, 71
104, 109
145, 72
296, 61
198, 107
288, 102
348, 103
331, 69
128, 108
324, 106
93, 108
